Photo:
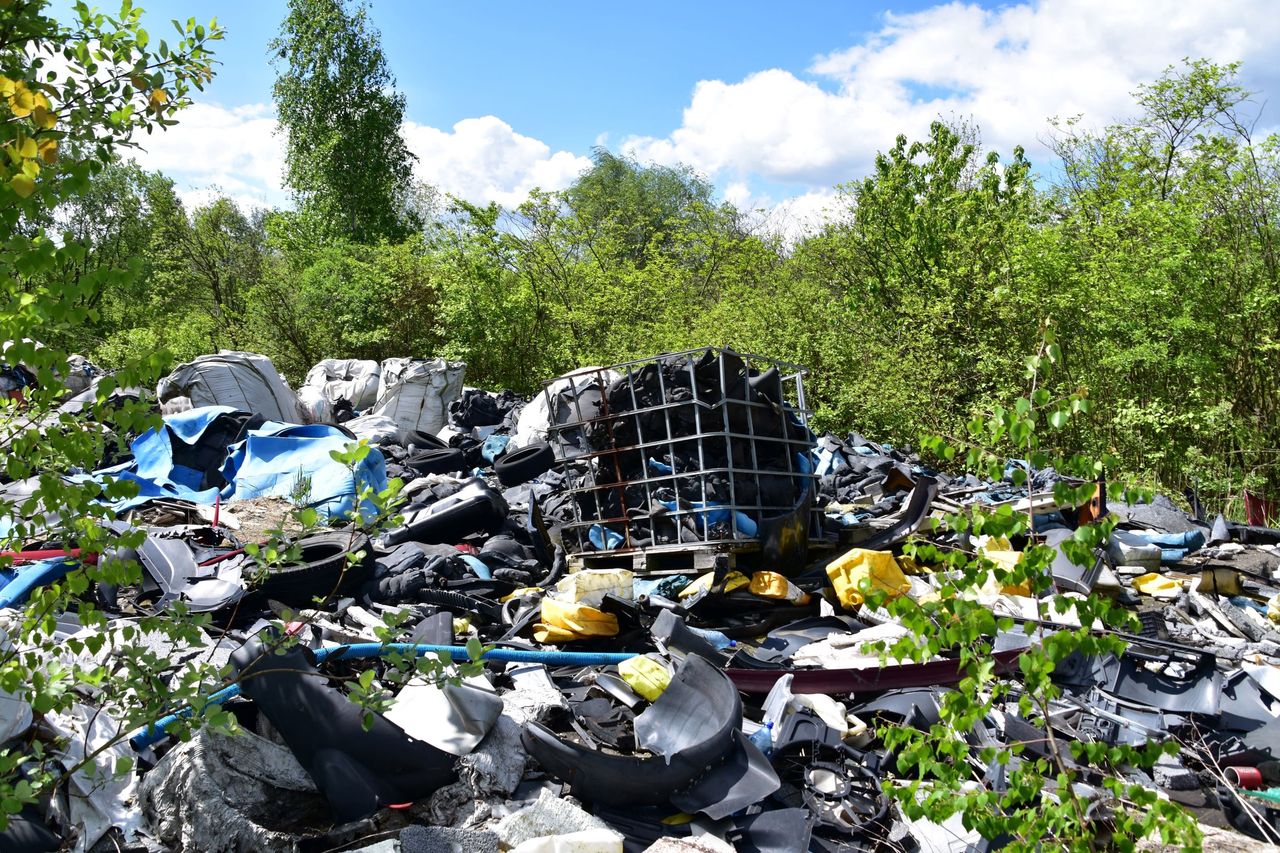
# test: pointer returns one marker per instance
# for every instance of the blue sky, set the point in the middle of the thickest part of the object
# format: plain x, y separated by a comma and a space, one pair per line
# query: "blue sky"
774, 102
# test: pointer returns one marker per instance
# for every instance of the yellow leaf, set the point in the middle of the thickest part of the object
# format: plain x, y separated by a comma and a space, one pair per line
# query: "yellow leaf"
7, 87
27, 147
22, 185
159, 97
22, 102
44, 119
30, 168
49, 151
42, 101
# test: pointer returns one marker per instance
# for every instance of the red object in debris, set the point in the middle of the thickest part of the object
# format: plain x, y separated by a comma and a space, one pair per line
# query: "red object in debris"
468, 549
400, 805
46, 554
221, 557
217, 506
1249, 778
1260, 511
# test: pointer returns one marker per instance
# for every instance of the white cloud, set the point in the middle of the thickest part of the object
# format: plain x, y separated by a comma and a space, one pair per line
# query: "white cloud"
233, 150
1010, 69
215, 150
484, 159
791, 218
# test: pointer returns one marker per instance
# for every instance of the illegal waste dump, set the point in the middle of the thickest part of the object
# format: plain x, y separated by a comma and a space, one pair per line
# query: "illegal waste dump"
647, 609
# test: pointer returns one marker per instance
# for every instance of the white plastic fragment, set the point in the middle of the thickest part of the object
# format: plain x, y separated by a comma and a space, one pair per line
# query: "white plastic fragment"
450, 717
548, 816
100, 798
584, 841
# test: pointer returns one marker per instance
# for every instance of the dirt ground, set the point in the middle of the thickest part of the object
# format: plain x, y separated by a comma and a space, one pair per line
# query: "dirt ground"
256, 520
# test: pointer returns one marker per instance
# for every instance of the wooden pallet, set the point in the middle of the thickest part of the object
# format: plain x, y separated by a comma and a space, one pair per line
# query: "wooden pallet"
689, 559
685, 559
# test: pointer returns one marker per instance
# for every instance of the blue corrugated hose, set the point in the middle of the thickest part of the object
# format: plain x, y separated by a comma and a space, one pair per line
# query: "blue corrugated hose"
156, 731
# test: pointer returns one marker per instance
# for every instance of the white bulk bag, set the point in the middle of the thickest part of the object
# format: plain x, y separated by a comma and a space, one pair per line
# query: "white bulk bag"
352, 379
416, 393
242, 380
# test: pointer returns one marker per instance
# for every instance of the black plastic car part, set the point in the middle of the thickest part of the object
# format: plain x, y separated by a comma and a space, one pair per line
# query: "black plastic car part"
358, 770
689, 728
473, 508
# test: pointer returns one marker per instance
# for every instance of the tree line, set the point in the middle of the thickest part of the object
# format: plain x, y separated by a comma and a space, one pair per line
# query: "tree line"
1150, 243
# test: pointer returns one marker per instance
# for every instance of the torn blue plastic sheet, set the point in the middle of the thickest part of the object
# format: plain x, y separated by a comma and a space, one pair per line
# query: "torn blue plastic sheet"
493, 447
479, 566
603, 538
828, 461
18, 581
276, 460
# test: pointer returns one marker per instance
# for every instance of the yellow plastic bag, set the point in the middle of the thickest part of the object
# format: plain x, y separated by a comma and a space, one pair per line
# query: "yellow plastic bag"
564, 621
1157, 586
1006, 560
591, 585
775, 586
645, 676
861, 570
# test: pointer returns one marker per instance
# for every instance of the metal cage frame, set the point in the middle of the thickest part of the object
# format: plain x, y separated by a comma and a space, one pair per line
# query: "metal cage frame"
712, 421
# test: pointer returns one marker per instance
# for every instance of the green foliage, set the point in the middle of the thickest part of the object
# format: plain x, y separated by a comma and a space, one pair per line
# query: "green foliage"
345, 298
1001, 791
73, 97
347, 163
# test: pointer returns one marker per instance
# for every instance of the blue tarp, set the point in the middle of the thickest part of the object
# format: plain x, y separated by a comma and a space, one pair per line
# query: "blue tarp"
275, 460
16, 582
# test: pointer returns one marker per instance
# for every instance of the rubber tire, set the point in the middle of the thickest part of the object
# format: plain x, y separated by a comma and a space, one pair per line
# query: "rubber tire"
436, 461
426, 441
322, 565
521, 466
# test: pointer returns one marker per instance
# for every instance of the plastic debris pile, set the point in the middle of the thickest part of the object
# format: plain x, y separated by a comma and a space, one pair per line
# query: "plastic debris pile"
729, 706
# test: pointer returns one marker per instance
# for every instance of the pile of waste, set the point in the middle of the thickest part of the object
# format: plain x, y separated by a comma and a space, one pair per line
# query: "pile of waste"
667, 572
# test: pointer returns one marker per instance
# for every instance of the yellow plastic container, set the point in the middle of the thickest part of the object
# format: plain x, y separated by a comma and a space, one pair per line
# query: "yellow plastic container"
1157, 586
775, 586
732, 581
861, 571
